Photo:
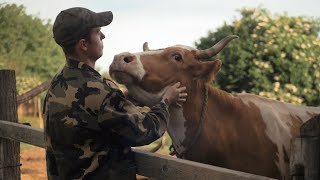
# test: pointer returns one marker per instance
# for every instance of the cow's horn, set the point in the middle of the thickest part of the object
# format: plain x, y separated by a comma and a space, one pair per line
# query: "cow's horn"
145, 46
208, 53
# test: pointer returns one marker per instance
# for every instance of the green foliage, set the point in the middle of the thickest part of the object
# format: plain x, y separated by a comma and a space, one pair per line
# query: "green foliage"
276, 56
27, 45
25, 83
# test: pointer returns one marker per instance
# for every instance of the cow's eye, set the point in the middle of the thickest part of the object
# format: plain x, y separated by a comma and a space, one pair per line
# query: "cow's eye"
177, 57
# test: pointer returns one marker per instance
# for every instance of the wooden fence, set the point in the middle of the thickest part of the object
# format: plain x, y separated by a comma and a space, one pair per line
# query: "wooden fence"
305, 152
148, 164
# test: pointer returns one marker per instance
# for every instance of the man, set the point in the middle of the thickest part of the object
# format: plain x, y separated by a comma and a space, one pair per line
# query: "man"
89, 124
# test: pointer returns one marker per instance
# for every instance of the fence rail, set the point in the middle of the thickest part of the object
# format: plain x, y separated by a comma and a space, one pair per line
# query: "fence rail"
33, 92
148, 164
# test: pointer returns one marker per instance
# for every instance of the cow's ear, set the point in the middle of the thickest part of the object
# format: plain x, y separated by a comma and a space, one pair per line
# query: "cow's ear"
207, 70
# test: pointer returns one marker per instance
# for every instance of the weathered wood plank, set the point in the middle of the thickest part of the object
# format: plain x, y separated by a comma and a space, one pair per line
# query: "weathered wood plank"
311, 128
310, 132
305, 152
22, 133
164, 167
149, 164
33, 92
9, 150
296, 159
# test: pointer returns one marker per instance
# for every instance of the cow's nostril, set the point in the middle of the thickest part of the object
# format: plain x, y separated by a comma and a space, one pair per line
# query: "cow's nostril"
128, 59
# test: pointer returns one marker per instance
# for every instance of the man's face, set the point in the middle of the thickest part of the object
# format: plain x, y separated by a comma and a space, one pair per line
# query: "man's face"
95, 46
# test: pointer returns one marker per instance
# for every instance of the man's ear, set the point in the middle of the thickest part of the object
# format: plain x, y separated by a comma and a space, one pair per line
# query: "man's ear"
207, 70
82, 44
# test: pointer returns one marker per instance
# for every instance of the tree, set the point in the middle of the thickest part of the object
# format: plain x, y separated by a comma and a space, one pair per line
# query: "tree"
27, 45
276, 56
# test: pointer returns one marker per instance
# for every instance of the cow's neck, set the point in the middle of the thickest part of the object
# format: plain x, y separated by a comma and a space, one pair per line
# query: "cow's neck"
186, 123
183, 121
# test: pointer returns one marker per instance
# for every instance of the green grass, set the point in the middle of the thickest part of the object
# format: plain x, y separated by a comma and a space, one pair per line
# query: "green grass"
27, 146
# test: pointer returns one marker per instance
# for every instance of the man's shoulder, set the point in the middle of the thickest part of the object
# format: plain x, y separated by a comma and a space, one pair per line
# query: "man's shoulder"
77, 85
76, 78
76, 95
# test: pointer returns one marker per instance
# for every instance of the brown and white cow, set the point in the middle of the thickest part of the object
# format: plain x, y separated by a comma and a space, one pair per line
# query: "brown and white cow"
243, 132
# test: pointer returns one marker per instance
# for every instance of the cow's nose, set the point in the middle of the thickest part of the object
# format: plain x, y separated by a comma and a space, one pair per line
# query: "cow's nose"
127, 58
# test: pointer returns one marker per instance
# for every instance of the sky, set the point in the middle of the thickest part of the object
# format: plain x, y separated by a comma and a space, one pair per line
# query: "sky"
163, 23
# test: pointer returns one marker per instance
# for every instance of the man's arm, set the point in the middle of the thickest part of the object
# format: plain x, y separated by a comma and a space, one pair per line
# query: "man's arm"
135, 125
138, 125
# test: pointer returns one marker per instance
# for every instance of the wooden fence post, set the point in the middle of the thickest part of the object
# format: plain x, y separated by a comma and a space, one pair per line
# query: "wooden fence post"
9, 150
310, 131
296, 159
305, 152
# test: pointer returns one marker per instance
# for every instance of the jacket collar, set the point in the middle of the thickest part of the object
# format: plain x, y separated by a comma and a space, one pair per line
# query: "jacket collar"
71, 63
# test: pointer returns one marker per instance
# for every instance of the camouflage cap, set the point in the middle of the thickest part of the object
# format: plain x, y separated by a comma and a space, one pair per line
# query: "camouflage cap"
71, 24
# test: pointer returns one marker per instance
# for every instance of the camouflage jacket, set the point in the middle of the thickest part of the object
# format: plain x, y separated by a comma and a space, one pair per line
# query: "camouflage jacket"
90, 126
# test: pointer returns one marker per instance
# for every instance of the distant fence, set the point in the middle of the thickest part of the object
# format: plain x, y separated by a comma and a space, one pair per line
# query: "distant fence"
148, 164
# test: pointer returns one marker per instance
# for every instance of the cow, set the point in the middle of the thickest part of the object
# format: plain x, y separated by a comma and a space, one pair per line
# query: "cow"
243, 132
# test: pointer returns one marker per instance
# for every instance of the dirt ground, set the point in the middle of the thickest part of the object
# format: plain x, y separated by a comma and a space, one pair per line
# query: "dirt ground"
33, 164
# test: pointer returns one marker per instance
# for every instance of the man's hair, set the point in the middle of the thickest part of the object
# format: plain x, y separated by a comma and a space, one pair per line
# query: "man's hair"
70, 49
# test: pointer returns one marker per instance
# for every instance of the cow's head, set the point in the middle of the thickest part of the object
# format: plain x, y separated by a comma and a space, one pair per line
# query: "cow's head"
147, 74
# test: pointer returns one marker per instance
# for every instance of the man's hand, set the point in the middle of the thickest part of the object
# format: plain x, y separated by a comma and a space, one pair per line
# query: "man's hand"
175, 95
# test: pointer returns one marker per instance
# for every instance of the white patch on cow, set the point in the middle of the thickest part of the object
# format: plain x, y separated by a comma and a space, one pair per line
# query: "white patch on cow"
177, 129
124, 72
145, 97
278, 119
135, 68
138, 69
302, 111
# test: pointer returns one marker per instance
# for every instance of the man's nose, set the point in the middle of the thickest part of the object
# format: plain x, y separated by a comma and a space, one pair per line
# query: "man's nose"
103, 36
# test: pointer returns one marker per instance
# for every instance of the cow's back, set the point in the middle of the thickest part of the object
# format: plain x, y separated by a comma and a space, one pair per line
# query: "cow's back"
283, 121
